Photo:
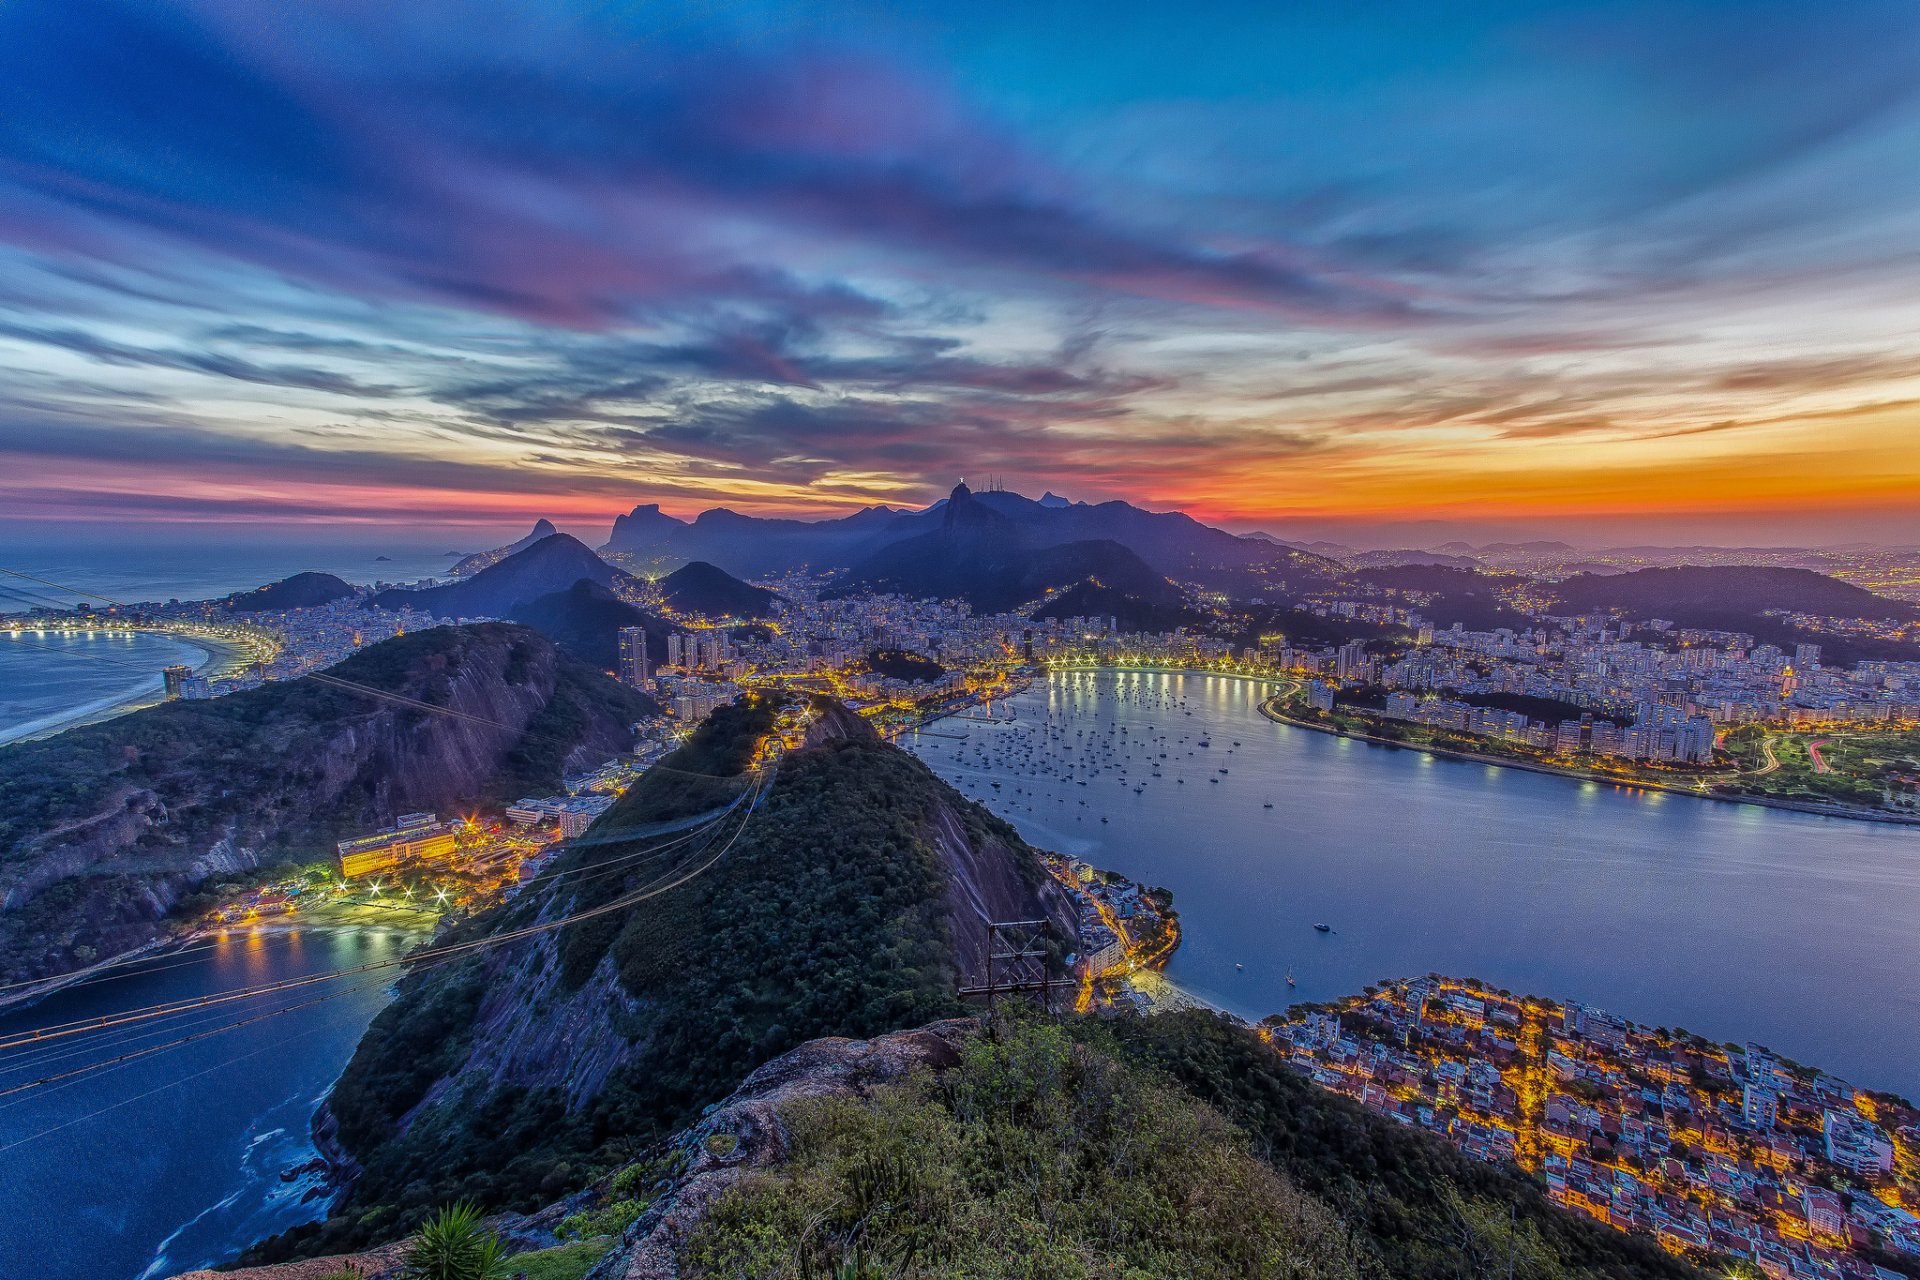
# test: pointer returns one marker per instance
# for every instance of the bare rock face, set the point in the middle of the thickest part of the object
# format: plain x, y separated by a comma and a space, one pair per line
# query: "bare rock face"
746, 1132
740, 1135
375, 1264
180, 796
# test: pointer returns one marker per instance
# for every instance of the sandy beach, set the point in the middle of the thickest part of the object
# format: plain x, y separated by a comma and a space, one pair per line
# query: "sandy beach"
220, 658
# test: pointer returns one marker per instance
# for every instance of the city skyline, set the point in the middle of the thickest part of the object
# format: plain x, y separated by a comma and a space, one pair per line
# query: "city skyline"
1619, 274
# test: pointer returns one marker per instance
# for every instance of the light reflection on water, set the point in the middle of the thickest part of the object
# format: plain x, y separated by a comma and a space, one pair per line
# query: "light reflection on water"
1734, 921
174, 1161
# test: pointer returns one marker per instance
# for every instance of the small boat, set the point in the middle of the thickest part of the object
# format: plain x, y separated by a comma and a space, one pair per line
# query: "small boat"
1267, 805
1290, 981
1239, 966
1323, 928
1103, 817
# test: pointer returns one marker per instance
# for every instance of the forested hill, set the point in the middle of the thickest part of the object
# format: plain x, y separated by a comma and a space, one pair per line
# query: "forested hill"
106, 830
1701, 595
848, 901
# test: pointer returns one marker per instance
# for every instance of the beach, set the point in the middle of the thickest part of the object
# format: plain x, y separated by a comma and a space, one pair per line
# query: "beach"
55, 680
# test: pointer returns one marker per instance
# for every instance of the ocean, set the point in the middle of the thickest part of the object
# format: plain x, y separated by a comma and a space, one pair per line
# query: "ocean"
48, 678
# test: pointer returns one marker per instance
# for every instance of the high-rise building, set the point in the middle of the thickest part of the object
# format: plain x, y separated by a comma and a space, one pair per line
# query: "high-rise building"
175, 677
1806, 657
632, 668
676, 651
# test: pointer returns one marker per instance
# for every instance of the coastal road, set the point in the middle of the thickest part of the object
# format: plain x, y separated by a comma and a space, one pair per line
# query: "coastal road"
1820, 764
1773, 761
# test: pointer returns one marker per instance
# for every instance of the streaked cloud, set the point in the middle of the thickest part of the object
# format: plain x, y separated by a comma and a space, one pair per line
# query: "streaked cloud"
482, 259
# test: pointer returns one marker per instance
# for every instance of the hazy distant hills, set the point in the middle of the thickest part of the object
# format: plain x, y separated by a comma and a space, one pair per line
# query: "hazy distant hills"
552, 564
1695, 596
1465, 596
993, 560
710, 591
301, 591
479, 560
1170, 543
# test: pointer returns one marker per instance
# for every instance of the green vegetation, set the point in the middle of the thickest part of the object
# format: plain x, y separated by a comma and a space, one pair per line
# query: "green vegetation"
1036, 1157
453, 1245
827, 917
899, 664
1414, 1207
272, 770
1861, 762
565, 1262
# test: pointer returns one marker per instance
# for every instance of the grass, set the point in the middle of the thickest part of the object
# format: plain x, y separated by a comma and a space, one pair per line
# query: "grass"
564, 1262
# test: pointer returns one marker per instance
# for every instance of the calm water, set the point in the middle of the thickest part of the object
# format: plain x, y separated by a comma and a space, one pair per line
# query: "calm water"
155, 572
174, 1161
47, 677
1802, 933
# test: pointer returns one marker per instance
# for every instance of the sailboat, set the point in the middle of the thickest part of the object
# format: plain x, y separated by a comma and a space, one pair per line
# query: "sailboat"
1290, 981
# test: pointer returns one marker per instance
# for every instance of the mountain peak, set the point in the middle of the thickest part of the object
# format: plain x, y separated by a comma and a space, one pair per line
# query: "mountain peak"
1053, 500
542, 528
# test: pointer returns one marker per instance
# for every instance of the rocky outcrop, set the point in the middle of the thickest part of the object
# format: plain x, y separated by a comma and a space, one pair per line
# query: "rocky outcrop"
746, 1133
106, 830
743, 1133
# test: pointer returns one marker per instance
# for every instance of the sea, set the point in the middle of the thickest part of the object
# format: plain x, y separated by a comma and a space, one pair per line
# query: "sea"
182, 1156
1741, 923
49, 679
1736, 922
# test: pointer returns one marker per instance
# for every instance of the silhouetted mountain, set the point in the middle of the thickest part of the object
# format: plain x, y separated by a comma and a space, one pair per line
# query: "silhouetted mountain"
585, 620
986, 557
549, 565
1465, 596
1171, 543
751, 547
301, 591
479, 560
1707, 596
710, 591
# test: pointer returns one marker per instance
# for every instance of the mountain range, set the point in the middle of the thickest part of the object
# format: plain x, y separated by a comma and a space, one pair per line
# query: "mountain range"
996, 562
1173, 544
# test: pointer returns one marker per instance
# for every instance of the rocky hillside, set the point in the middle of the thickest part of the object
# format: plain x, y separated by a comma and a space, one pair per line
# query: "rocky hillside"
1076, 1150
107, 830
850, 902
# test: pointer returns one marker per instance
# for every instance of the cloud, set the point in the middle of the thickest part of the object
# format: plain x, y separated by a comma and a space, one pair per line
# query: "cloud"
556, 172
210, 362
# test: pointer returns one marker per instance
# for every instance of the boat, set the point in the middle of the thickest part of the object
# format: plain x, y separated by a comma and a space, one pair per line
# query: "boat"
1323, 928
1290, 981
1267, 805
1239, 966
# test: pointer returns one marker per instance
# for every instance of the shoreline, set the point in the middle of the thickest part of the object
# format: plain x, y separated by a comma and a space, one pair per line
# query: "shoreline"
162, 948
1812, 807
220, 658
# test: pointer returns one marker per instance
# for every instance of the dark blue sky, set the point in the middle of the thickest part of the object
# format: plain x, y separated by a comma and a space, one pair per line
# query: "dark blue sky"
1625, 267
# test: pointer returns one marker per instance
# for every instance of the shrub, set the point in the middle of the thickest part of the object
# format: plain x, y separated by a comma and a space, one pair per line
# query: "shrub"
453, 1245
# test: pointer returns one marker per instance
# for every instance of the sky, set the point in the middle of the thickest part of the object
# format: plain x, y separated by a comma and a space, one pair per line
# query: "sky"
1615, 271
